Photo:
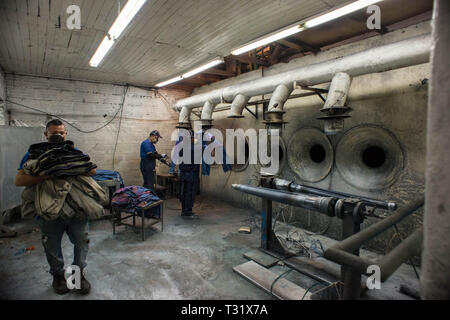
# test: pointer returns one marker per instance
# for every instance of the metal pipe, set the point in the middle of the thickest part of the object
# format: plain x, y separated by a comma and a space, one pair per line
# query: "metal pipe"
238, 105
342, 252
279, 97
334, 108
338, 91
322, 204
396, 55
388, 264
355, 241
282, 184
207, 110
184, 117
394, 259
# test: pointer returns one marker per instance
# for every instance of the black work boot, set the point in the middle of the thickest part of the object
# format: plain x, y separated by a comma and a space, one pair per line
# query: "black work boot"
59, 284
85, 286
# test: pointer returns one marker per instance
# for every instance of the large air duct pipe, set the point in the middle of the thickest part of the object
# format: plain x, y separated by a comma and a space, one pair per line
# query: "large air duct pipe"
274, 113
238, 105
334, 108
400, 54
184, 118
206, 116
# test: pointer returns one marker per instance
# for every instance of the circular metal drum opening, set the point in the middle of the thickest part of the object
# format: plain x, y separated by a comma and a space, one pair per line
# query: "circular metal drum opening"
317, 153
369, 157
310, 154
373, 156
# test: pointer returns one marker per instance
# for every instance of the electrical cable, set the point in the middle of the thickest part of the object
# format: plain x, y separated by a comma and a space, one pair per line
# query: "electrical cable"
64, 120
307, 290
276, 279
120, 122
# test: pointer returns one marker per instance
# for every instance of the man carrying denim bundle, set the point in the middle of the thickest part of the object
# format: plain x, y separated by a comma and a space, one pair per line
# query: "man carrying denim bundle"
53, 229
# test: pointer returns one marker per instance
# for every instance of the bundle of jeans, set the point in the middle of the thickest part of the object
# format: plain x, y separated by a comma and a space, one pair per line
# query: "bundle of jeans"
57, 159
71, 197
102, 175
132, 198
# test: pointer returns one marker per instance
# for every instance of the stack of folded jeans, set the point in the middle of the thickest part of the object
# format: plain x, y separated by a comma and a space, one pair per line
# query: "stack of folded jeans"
58, 160
102, 175
133, 197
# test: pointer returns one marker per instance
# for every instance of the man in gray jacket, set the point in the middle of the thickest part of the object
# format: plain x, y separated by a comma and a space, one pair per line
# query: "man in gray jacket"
53, 230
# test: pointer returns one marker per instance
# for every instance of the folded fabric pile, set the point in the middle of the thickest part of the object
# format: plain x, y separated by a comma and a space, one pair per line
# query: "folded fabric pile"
103, 175
57, 160
68, 193
133, 197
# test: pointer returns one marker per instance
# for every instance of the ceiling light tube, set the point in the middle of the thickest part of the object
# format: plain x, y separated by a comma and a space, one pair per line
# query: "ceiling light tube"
123, 19
352, 7
202, 68
271, 38
125, 16
164, 83
101, 51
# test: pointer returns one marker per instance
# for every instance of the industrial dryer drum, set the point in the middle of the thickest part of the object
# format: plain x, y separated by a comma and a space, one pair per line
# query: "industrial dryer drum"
369, 157
310, 154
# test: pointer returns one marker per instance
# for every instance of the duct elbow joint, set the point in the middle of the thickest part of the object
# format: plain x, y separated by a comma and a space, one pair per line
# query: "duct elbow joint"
238, 105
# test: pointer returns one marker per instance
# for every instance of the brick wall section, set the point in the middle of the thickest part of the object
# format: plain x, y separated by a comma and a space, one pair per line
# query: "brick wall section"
88, 106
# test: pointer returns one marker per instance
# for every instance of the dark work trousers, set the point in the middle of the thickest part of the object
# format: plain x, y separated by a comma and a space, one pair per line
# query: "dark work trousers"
188, 189
52, 232
148, 172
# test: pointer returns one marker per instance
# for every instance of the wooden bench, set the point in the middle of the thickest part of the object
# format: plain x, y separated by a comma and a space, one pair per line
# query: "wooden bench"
140, 211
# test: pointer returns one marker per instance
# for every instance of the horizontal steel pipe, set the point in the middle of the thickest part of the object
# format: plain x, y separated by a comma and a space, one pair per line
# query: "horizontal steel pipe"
354, 242
282, 184
396, 55
322, 204
388, 264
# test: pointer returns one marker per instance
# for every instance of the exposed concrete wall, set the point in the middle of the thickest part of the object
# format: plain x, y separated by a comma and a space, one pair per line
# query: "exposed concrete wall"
88, 106
3, 116
435, 277
394, 100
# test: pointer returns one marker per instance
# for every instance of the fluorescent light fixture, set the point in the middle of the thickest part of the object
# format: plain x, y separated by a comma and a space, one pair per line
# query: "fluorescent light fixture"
123, 19
339, 12
274, 37
101, 51
202, 68
162, 84
126, 15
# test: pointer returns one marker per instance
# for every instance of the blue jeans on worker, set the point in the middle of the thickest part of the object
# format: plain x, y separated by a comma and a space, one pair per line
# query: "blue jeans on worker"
52, 232
188, 189
147, 167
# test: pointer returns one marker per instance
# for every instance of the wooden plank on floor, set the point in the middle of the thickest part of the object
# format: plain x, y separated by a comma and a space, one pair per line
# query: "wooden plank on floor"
261, 258
263, 278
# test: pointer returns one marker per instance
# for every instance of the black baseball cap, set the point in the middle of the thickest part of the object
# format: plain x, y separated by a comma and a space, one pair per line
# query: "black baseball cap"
155, 133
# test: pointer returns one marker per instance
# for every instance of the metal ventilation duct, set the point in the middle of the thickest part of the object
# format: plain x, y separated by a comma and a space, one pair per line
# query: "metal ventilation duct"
400, 54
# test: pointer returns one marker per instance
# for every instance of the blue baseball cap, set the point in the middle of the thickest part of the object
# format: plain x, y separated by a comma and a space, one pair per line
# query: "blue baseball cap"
155, 133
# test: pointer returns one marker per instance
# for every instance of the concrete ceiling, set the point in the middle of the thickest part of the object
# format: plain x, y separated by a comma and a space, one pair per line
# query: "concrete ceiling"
166, 38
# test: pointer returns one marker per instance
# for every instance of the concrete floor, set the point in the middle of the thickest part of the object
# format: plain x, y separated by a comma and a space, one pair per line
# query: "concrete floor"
191, 259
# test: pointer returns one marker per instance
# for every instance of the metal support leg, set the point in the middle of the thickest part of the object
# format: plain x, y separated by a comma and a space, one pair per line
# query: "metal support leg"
266, 224
162, 216
142, 224
350, 276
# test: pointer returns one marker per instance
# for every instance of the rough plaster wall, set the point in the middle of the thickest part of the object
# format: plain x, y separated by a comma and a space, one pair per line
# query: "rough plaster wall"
85, 105
3, 117
395, 100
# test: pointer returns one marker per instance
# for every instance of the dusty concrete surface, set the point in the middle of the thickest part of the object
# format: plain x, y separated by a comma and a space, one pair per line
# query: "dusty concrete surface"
191, 259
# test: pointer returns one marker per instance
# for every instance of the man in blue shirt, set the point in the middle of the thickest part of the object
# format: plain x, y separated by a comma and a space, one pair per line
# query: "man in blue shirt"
148, 159
52, 231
